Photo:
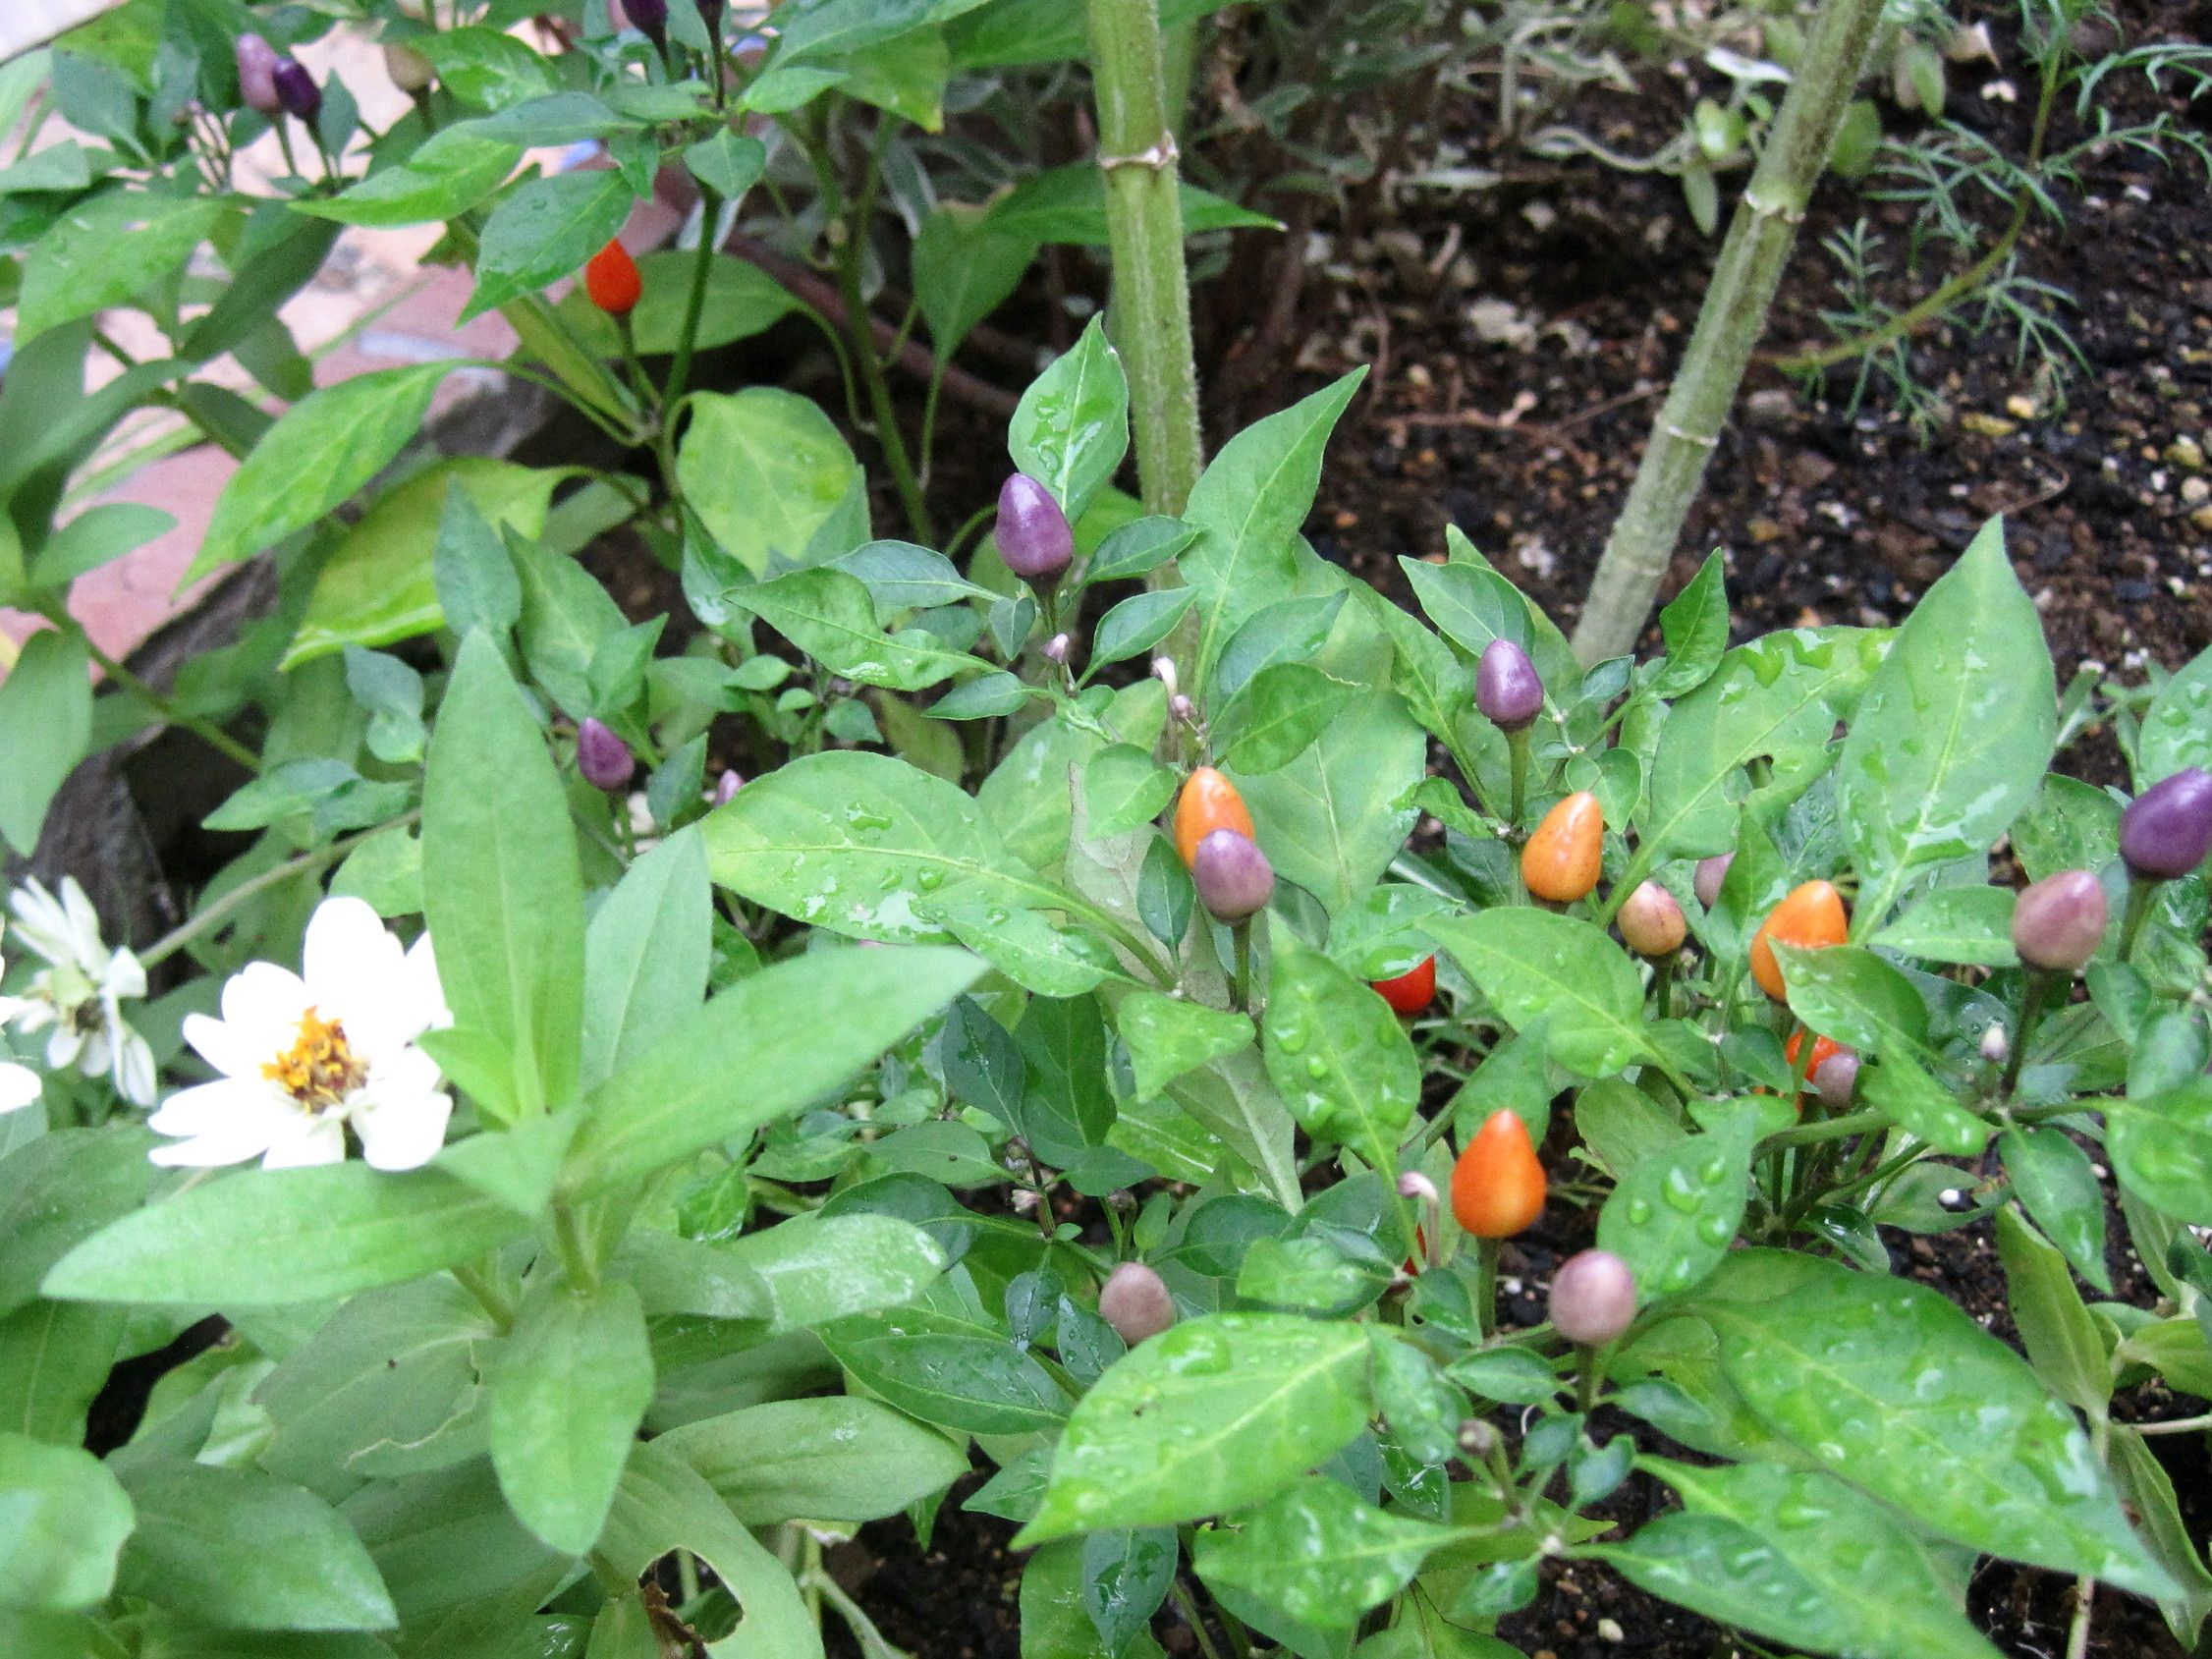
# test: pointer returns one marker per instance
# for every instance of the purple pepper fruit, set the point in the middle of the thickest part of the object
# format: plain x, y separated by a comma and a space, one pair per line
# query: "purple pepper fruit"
1506, 687
1034, 535
296, 92
2058, 922
1233, 876
2167, 830
258, 62
1593, 1297
603, 758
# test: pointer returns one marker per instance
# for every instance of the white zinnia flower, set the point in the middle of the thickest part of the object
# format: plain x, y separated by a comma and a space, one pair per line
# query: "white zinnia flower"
307, 1056
80, 993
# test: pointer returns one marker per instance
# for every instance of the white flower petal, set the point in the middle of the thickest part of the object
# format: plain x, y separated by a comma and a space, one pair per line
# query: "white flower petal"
352, 963
265, 996
126, 976
19, 1086
247, 1129
63, 1047
236, 1051
208, 1106
401, 1130
311, 1141
83, 927
134, 1074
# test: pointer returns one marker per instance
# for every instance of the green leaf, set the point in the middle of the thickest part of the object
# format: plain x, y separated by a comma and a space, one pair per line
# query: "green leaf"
1898, 1391
663, 1505
1126, 1576
954, 1372
1138, 623
2162, 1149
1318, 1553
569, 1387
2055, 1327
546, 229
1056, 1623
2058, 1187
1030, 951
1168, 1036
59, 1190
964, 270
1955, 731
447, 174
727, 163
506, 906
567, 618
54, 1359
851, 841
379, 583
1776, 699
2148, 1492
1677, 1210
67, 1521
2176, 728
45, 728
815, 1268
1125, 788
475, 579
741, 300
1532, 963
841, 1459
1330, 822
1694, 625
903, 576
107, 250
646, 955
1070, 428
485, 68
1069, 205
1337, 1056
1141, 546
1277, 715
774, 1030
830, 615
1248, 508
326, 445
1964, 925
203, 1547
95, 537
1799, 1558
765, 471
274, 1237
1249, 1401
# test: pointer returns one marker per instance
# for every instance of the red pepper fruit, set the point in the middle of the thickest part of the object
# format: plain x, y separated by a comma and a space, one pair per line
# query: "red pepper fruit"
611, 279
1562, 859
1809, 916
1208, 802
1410, 991
1822, 1048
1498, 1183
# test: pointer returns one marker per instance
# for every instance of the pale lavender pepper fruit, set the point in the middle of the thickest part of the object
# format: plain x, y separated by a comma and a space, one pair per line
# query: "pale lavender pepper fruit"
258, 62
725, 787
1506, 687
1233, 876
2058, 922
2167, 830
1135, 1300
1034, 535
1593, 1297
602, 758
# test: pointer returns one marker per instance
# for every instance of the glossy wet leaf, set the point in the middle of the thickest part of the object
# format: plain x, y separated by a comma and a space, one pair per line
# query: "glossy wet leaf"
1168, 1036
1281, 710
951, 1371
2058, 1187
1534, 965
766, 472
2161, 1149
1800, 1558
1955, 731
1848, 993
544, 230
1695, 626
1331, 821
1210, 1415
1070, 428
1962, 925
2054, 1325
1337, 1056
1055, 1623
1895, 1390
1125, 1578
2176, 728
1677, 1208
1318, 1553
835, 1459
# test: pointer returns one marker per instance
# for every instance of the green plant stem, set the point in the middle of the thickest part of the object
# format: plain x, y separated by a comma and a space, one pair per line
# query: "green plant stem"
1745, 276
1589, 1367
2139, 894
695, 304
484, 1291
1191, 1617
2179, 1425
1241, 938
1663, 984
1152, 300
177, 938
1486, 1284
2035, 995
1517, 750
206, 730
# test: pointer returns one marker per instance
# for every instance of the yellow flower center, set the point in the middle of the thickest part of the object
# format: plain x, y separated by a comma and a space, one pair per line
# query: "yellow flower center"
319, 1070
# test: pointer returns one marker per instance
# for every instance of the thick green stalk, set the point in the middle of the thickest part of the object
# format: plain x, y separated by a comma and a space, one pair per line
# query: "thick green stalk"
1151, 303
1729, 325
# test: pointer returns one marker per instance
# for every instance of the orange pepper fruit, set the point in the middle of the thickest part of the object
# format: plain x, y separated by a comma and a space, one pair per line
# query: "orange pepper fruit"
1498, 1183
1809, 916
1410, 991
611, 279
1822, 1048
1562, 859
1208, 802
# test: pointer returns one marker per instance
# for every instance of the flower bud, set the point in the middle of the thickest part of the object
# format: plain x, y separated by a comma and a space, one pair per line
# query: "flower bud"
1834, 1078
1507, 688
410, 70
1034, 535
1593, 1297
2167, 830
1233, 876
1996, 1046
1056, 648
725, 787
1135, 1302
1163, 670
258, 62
1711, 872
1652, 921
1414, 1185
1182, 707
296, 92
2059, 921
603, 758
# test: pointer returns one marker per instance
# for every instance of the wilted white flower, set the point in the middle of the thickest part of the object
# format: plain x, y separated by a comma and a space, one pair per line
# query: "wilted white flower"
305, 1057
78, 995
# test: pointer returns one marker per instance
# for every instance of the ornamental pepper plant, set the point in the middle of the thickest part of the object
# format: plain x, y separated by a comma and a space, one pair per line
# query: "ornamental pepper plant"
1313, 1118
